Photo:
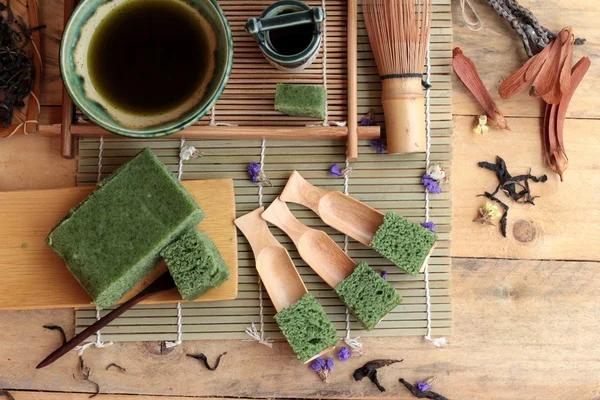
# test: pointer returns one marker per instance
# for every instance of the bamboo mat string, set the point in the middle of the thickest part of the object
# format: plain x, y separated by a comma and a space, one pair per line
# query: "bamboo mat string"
177, 342
324, 65
263, 150
98, 343
354, 344
213, 122
474, 24
255, 334
326, 121
180, 165
38, 55
439, 342
100, 151
31, 121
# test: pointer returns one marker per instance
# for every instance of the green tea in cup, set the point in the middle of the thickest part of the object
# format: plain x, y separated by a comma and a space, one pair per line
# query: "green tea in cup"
146, 67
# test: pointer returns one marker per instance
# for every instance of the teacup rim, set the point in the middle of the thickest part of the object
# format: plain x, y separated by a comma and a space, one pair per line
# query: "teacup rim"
163, 129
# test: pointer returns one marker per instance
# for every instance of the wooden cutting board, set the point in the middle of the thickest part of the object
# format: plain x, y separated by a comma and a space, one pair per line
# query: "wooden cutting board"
32, 276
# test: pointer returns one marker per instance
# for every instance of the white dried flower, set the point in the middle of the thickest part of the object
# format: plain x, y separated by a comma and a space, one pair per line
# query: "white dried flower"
436, 172
189, 153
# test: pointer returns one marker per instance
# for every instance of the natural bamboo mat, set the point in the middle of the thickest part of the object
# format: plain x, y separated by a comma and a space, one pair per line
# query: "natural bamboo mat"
382, 181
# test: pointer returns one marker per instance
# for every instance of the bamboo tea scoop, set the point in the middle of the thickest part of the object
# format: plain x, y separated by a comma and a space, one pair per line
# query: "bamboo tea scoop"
273, 263
162, 283
341, 212
316, 248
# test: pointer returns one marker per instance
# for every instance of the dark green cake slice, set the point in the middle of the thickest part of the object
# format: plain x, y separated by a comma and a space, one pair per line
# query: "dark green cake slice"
301, 100
404, 243
195, 264
367, 295
113, 238
306, 327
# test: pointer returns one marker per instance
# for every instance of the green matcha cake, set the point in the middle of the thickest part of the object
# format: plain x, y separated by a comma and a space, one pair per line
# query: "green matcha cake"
113, 238
404, 243
195, 264
367, 295
301, 100
306, 327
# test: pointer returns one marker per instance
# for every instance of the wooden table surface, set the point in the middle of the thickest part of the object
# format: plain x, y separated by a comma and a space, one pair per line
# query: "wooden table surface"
526, 314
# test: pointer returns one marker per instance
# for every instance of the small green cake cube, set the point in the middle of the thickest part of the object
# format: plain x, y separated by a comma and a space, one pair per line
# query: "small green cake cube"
404, 243
112, 239
306, 327
195, 264
301, 100
367, 295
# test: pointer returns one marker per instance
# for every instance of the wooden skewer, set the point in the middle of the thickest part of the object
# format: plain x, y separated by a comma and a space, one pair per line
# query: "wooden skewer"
352, 151
341, 212
66, 139
316, 248
161, 284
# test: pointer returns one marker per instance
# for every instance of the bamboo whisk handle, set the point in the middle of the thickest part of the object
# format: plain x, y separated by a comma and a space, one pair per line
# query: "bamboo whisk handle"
404, 109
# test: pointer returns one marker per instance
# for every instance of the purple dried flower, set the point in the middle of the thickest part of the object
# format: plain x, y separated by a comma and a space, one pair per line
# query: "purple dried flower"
330, 363
384, 274
367, 120
318, 364
334, 170
429, 225
378, 146
254, 171
430, 184
423, 386
257, 175
323, 367
344, 354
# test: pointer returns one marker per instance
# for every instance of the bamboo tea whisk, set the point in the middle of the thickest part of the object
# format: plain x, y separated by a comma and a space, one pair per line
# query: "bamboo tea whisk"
398, 31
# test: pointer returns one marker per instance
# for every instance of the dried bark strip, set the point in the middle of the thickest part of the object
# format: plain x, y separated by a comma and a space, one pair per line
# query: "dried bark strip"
467, 73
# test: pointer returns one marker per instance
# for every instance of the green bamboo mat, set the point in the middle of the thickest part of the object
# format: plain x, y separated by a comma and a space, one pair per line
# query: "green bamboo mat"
383, 181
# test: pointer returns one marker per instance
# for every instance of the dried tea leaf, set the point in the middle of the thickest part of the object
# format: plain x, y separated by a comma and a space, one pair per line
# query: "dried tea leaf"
369, 370
201, 357
544, 72
548, 75
521, 78
554, 118
117, 366
85, 371
422, 394
17, 72
467, 73
578, 72
565, 70
509, 184
57, 328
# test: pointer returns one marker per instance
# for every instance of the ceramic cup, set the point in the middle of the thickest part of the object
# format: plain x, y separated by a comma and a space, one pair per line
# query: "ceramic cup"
288, 33
73, 62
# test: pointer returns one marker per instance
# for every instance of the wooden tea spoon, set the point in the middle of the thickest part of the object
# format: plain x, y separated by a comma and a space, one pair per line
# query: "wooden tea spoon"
273, 263
161, 284
341, 212
319, 251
